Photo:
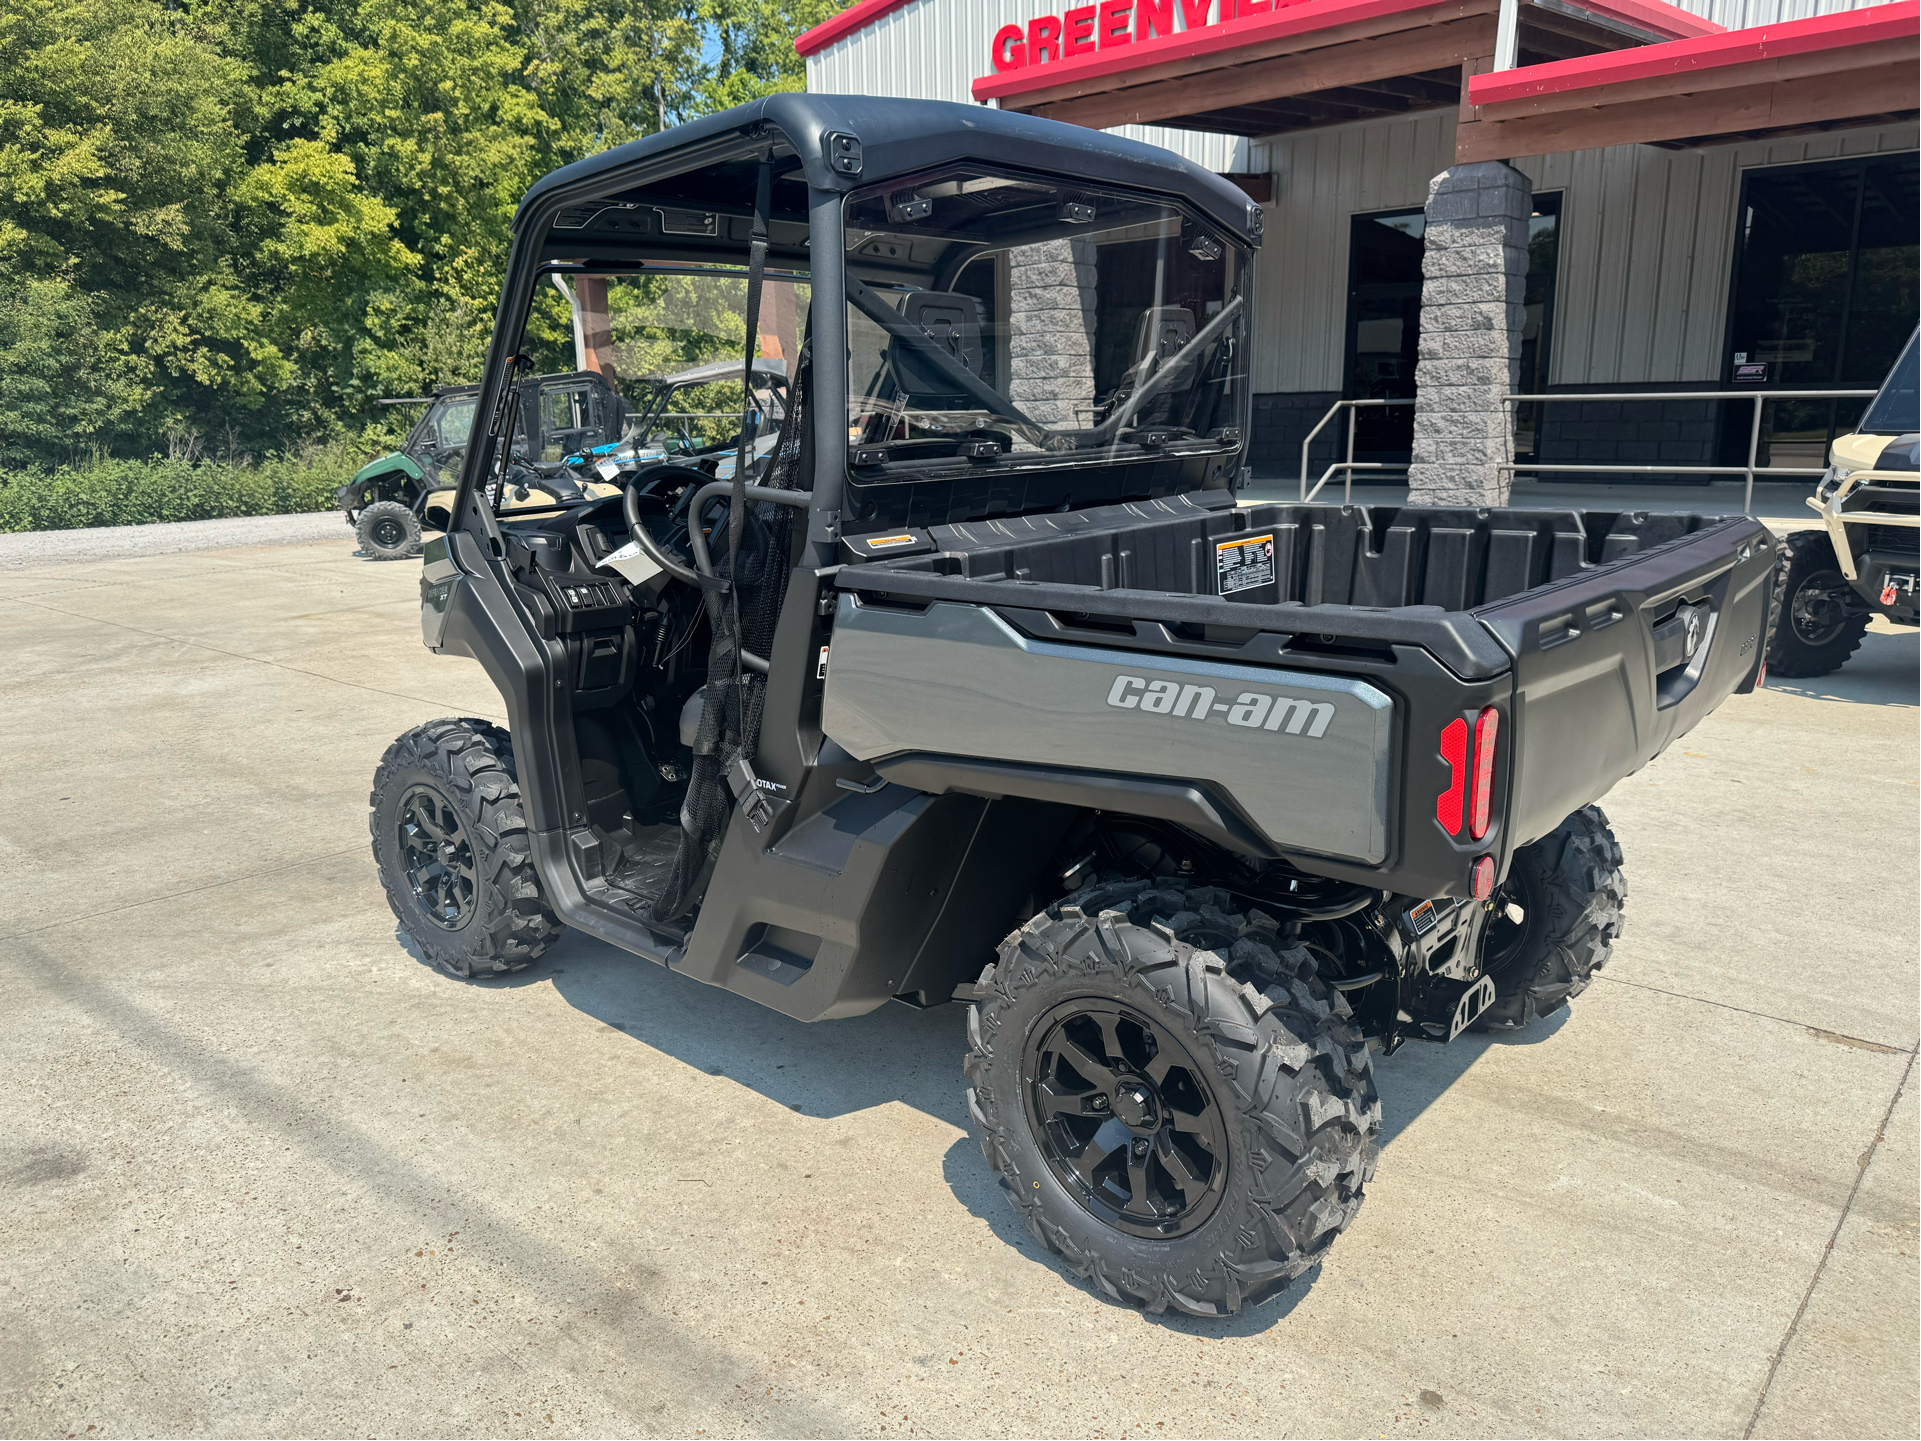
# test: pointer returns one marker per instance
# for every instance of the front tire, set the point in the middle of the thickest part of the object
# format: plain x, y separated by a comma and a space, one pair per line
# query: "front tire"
1821, 621
1569, 893
450, 840
388, 530
1184, 1112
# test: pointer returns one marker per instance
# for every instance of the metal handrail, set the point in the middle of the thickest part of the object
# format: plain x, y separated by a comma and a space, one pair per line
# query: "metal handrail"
1350, 465
1512, 468
1749, 471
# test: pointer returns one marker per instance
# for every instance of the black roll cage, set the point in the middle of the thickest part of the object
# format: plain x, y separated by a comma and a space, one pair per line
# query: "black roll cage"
815, 134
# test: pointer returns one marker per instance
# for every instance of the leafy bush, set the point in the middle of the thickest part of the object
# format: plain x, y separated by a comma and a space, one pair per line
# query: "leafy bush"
141, 492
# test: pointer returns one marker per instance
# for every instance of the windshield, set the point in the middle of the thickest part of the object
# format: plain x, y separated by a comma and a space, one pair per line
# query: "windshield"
1897, 409
450, 422
664, 345
997, 320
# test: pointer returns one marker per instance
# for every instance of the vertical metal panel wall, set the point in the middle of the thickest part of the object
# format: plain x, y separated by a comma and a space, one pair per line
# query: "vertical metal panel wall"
1647, 240
936, 49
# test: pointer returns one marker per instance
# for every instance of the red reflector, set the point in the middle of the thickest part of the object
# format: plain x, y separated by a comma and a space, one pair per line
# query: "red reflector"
1447, 806
1487, 730
1483, 878
1761, 679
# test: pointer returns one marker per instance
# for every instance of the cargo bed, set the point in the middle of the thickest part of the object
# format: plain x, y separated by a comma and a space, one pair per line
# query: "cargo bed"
1280, 677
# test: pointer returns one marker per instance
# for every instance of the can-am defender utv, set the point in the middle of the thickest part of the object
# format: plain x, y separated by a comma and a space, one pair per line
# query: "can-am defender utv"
982, 687
1866, 558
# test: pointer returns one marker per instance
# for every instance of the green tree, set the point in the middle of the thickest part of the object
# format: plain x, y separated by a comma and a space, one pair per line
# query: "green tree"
252, 218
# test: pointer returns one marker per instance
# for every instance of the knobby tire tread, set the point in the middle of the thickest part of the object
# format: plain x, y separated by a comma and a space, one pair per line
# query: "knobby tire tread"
1574, 873
474, 762
1289, 1065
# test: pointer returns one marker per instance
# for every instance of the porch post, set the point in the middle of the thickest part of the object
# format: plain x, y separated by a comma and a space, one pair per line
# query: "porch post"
1474, 279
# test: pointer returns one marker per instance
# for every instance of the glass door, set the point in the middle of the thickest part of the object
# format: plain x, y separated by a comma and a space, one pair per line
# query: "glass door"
1383, 329
1824, 297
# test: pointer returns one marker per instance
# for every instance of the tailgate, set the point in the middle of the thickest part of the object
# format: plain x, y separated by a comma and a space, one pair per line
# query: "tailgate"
1613, 664
1305, 758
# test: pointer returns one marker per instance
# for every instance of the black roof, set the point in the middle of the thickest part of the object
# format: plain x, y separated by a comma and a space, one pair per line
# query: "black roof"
899, 137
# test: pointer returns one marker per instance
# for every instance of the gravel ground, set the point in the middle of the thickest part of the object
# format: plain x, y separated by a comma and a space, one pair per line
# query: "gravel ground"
26, 550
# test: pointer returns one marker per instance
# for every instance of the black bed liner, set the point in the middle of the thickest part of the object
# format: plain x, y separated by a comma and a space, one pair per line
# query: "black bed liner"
1439, 578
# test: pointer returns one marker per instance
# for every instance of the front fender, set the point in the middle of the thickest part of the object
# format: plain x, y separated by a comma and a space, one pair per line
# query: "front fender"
384, 478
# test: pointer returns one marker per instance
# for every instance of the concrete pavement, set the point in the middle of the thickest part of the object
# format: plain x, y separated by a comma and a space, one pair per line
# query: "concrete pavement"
263, 1172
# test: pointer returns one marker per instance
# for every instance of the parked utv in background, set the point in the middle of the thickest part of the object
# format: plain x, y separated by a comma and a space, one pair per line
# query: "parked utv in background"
393, 498
1865, 559
977, 684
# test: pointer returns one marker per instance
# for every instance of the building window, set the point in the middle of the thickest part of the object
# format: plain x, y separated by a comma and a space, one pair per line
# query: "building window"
1384, 322
1537, 330
1824, 294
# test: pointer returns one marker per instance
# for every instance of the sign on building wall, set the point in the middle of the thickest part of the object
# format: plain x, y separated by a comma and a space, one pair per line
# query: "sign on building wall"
1089, 29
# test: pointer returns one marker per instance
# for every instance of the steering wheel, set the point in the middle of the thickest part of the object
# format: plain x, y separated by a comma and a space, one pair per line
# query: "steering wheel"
641, 496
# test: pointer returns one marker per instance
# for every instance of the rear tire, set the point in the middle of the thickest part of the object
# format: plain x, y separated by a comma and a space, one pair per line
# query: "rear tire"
1821, 619
1570, 892
388, 530
450, 839
1204, 1027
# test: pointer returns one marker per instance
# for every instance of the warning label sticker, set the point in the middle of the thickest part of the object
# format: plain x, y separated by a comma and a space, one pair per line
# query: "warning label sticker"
1244, 563
885, 542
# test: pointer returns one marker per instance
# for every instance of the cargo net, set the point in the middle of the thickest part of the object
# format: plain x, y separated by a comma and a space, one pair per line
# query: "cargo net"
730, 713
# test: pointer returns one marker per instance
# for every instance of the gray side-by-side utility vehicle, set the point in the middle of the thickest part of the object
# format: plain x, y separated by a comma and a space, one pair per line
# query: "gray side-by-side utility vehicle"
978, 684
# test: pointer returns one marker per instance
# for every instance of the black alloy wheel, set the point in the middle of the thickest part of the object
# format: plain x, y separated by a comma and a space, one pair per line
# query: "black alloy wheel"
1819, 607
435, 856
1125, 1118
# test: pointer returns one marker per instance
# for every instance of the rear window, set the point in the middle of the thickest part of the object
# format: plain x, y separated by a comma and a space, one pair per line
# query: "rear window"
1005, 322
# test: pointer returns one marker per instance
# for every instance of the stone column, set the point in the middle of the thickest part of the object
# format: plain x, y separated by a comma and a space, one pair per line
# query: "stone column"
1051, 319
1474, 279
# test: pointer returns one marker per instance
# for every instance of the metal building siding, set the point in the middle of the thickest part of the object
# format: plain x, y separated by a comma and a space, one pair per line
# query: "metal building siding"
936, 49
1647, 243
1322, 177
1741, 14
1647, 249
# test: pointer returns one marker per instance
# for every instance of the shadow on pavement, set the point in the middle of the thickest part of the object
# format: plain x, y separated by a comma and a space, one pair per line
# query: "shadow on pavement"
1885, 671
833, 1068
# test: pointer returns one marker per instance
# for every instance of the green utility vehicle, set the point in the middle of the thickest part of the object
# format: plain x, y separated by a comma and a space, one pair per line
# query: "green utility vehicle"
393, 498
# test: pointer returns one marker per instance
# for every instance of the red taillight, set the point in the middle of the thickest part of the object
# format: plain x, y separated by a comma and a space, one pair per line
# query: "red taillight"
1447, 806
1487, 730
1483, 874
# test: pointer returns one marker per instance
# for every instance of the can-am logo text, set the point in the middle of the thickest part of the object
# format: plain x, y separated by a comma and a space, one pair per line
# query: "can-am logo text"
1251, 709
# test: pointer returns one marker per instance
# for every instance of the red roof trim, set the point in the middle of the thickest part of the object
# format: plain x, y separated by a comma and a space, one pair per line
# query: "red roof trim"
1303, 18
1848, 28
1652, 15
854, 17
1282, 21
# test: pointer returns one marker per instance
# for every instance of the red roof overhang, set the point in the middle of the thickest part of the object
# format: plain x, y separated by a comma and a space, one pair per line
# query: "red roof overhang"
1688, 59
854, 17
1652, 15
1235, 41
1855, 66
